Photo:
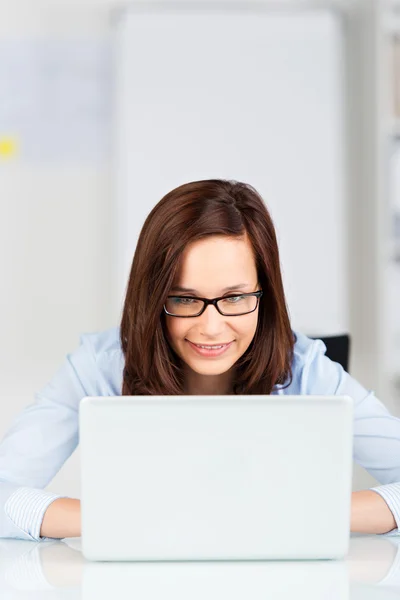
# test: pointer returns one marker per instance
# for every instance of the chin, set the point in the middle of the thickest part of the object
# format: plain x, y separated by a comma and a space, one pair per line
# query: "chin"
211, 369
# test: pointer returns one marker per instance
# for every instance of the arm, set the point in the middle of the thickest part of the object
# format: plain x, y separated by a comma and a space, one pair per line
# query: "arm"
376, 442
38, 443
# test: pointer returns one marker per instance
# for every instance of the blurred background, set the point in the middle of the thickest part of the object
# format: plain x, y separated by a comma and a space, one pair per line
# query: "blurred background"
106, 106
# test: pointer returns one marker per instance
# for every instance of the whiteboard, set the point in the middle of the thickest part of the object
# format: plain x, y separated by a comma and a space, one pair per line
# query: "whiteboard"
250, 95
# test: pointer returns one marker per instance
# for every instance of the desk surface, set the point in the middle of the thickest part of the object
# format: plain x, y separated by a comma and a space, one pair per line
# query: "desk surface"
56, 570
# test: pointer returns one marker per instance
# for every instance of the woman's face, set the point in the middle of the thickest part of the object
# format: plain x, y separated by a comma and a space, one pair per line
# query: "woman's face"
208, 267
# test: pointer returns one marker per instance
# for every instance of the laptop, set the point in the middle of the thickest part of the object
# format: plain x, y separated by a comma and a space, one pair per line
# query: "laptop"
251, 477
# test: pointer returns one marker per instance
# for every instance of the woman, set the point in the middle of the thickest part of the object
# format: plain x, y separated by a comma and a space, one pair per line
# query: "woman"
204, 313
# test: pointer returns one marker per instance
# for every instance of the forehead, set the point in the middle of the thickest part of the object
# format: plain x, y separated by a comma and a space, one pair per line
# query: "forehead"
218, 260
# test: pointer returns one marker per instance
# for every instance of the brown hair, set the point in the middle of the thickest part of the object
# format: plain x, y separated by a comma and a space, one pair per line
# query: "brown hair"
188, 213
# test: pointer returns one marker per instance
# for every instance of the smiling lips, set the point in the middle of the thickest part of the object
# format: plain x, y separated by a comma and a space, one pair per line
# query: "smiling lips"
210, 351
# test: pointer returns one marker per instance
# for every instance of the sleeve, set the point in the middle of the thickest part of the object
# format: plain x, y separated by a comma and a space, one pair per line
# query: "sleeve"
376, 444
40, 440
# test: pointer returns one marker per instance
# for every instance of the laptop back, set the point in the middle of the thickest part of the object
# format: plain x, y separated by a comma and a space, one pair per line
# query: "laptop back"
215, 477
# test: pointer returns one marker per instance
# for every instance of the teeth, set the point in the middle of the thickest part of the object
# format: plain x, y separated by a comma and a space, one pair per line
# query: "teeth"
209, 347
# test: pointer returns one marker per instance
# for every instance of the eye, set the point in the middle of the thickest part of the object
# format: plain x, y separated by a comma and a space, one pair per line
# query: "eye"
233, 299
183, 300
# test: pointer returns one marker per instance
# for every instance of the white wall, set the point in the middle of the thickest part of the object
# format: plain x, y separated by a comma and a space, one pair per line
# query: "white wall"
260, 102
56, 244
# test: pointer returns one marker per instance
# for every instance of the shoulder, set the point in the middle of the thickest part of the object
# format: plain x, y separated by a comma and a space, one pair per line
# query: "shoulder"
100, 360
102, 343
305, 347
309, 364
314, 373
305, 351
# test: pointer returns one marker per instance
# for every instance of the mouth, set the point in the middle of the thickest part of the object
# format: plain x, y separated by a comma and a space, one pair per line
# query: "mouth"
210, 350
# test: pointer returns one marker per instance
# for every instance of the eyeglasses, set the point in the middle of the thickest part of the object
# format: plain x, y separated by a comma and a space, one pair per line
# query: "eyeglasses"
229, 306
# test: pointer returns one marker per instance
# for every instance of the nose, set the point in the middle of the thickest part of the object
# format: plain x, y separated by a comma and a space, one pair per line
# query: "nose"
211, 322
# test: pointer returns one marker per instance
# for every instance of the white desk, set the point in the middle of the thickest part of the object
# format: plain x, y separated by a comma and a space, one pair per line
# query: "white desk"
56, 570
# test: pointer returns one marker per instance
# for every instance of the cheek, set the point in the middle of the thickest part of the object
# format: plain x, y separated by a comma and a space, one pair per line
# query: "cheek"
247, 327
176, 328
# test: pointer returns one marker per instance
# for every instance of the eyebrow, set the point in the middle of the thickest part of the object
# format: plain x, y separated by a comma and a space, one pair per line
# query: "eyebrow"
179, 288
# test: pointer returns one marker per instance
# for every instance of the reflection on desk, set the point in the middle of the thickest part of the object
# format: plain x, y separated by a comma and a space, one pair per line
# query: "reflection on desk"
57, 568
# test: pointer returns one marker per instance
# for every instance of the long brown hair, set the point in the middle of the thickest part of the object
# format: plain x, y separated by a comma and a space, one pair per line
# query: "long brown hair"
188, 213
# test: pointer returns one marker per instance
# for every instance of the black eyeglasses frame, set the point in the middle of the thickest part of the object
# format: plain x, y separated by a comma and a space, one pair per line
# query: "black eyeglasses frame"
214, 301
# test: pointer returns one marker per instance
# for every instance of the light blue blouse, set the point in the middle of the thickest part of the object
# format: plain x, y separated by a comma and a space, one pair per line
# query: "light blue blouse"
46, 432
